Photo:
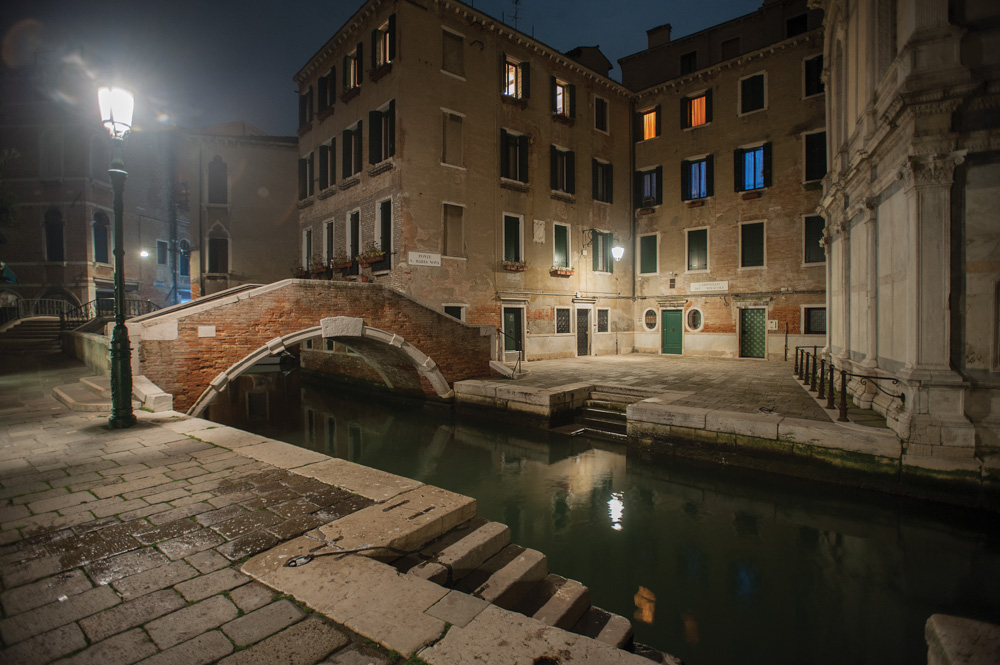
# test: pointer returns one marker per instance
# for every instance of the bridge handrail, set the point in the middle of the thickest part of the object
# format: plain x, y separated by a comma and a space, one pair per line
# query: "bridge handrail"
26, 307
517, 343
105, 307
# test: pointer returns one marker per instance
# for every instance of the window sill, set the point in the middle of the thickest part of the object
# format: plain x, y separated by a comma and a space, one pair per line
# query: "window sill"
327, 193
750, 196
818, 94
379, 72
746, 113
305, 128
750, 268
646, 211
381, 167
704, 124
520, 102
453, 75
697, 272
324, 114
306, 202
814, 264
563, 119
347, 184
560, 195
697, 203
607, 203
351, 94
516, 185
813, 184
454, 166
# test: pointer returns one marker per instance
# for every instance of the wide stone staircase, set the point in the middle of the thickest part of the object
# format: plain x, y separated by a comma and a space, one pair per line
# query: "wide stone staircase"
33, 336
603, 414
478, 558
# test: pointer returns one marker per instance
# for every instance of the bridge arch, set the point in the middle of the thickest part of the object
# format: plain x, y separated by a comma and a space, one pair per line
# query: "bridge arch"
338, 328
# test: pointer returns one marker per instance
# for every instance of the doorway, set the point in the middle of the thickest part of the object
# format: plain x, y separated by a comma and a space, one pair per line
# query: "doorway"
583, 332
753, 336
513, 339
672, 331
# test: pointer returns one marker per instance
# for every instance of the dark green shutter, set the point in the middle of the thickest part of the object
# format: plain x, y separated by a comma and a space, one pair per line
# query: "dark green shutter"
638, 189
608, 182
685, 181
685, 112
333, 160
348, 162
659, 185
522, 158
392, 37
594, 167
357, 157
609, 261
303, 192
751, 245
504, 154
737, 170
595, 238
374, 137
345, 74
709, 176
554, 168
572, 100
361, 64
386, 226
708, 105
571, 172
503, 73
637, 127
525, 79
767, 164
321, 87
552, 93
375, 45
324, 167
559, 238
647, 254
391, 119
657, 124
511, 237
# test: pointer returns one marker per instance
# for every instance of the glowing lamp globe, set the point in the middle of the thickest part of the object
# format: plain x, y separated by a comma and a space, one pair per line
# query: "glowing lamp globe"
618, 253
116, 110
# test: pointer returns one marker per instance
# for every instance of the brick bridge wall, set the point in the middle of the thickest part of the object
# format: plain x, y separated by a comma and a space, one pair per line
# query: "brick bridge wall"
169, 349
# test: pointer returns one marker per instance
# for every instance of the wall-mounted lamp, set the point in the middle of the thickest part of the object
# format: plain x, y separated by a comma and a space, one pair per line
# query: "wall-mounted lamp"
590, 235
143, 253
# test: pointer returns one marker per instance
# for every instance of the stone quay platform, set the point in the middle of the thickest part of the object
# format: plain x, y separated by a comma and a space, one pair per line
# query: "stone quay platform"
171, 542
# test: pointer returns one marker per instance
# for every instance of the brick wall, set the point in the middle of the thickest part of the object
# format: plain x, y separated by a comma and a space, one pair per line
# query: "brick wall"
186, 365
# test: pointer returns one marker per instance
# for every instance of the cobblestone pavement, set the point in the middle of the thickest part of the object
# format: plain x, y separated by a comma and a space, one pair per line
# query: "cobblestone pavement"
125, 546
707, 383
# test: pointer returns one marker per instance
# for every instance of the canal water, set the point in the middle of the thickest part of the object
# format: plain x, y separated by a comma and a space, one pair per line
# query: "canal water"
715, 565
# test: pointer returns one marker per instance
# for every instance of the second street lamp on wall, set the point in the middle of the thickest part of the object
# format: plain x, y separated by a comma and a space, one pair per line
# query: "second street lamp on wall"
116, 115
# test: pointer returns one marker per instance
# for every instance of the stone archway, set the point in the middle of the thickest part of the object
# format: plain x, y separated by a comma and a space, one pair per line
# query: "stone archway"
335, 328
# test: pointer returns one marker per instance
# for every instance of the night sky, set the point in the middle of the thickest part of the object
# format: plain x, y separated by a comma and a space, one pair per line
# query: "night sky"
197, 63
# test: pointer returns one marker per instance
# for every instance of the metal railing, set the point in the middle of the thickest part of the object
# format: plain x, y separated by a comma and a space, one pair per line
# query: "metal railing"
24, 308
100, 307
503, 334
807, 372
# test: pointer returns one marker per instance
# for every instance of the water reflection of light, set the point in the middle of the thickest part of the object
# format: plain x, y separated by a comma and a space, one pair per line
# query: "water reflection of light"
616, 507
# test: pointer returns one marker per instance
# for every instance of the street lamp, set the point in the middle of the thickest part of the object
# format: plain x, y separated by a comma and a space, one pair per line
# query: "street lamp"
116, 114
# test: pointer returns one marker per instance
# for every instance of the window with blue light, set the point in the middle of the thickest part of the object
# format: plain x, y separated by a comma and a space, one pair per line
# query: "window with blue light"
696, 178
752, 168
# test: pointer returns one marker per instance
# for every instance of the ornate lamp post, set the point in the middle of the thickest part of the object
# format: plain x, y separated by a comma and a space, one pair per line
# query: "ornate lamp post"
116, 114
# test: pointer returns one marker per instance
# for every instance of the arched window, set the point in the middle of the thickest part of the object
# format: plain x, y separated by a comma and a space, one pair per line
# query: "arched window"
218, 182
185, 261
54, 250
101, 231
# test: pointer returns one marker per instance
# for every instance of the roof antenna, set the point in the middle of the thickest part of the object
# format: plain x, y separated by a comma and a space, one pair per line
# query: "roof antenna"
517, 13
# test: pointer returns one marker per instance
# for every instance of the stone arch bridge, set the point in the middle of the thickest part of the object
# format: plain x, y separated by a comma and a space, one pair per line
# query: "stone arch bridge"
193, 350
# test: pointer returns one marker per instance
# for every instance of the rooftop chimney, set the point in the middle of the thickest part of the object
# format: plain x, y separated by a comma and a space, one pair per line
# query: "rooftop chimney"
658, 36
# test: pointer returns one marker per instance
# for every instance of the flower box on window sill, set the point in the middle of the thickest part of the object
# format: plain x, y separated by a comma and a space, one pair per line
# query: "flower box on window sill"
341, 265
300, 273
561, 272
563, 118
350, 94
379, 72
749, 196
514, 101
696, 204
305, 127
325, 113
513, 266
646, 211
366, 260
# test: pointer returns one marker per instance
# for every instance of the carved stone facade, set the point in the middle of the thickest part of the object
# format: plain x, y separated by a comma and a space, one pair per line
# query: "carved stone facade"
914, 278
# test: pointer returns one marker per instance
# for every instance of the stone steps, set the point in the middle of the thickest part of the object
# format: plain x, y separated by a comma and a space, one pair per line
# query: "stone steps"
88, 395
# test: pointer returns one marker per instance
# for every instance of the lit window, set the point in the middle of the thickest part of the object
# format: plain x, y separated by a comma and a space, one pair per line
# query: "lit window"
353, 65
696, 111
351, 155
384, 43
516, 78
563, 98
650, 124
753, 167
697, 178
649, 187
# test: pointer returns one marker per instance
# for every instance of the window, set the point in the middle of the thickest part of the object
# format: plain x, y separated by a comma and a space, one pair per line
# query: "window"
306, 176
648, 264
696, 110
600, 114
563, 170
731, 48
752, 168
563, 98
351, 151
796, 25
513, 156
697, 178
516, 78
452, 147
185, 258
815, 160
161, 252
218, 182
648, 124
814, 251
353, 65
752, 245
649, 187
326, 87
352, 234
603, 320
814, 320
697, 249
563, 321
54, 248
328, 241
453, 242
455, 311
689, 62
382, 133
307, 247
383, 235
753, 93
327, 164
694, 319
306, 106
813, 74
603, 181
649, 319
512, 238
218, 255
101, 230
560, 237
603, 260
384, 43
452, 53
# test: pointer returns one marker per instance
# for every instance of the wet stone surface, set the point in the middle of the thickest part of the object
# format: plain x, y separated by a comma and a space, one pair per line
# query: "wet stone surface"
118, 546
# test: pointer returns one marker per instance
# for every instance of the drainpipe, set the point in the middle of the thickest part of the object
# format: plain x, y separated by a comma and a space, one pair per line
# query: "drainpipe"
201, 223
631, 212
172, 213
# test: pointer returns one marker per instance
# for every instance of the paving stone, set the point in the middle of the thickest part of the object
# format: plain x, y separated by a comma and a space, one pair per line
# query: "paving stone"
356, 655
247, 545
167, 531
124, 488
193, 498
60, 502
97, 549
76, 479
9, 491
123, 565
302, 644
370, 483
156, 490
457, 608
181, 512
46, 647
190, 543
122, 649
329, 496
190, 621
220, 515
183, 474
211, 584
238, 526
296, 526
114, 506
28, 624
169, 495
207, 561
261, 623
144, 510
252, 596
39, 496
29, 571
298, 506
158, 578
10, 513
130, 614
204, 649
48, 590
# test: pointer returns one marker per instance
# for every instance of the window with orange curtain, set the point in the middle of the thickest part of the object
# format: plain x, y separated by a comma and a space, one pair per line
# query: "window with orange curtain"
698, 116
649, 124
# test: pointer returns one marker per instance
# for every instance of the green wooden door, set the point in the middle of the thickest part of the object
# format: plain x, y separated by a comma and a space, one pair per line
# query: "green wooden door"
671, 331
512, 329
753, 338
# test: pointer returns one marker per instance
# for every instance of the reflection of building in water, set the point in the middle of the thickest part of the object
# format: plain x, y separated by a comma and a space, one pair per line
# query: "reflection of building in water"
645, 605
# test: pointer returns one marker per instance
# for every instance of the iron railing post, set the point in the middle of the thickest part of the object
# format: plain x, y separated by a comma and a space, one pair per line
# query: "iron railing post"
829, 396
795, 369
843, 397
822, 375
812, 377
